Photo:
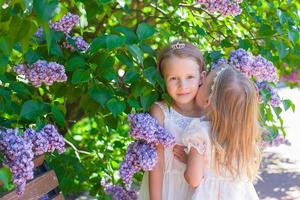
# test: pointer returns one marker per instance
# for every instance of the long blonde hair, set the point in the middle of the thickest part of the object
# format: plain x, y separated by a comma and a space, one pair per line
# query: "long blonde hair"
235, 131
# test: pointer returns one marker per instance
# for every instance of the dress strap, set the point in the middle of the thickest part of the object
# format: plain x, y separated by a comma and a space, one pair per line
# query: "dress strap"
164, 108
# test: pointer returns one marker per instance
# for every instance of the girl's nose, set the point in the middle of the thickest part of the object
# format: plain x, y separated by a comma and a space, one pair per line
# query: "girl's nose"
182, 84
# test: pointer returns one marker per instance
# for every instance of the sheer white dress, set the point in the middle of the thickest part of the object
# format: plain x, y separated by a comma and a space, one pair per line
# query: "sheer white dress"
213, 187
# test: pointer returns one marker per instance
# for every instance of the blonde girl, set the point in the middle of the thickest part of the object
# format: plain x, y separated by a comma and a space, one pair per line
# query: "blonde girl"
182, 67
223, 153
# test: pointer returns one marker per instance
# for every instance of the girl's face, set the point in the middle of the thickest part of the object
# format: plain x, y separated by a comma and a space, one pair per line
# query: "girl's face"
202, 97
182, 77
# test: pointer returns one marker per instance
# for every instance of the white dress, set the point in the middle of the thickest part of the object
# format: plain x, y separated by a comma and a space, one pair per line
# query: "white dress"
174, 185
213, 187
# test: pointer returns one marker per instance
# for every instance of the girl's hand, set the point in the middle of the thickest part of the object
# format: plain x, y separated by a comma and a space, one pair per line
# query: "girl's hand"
179, 153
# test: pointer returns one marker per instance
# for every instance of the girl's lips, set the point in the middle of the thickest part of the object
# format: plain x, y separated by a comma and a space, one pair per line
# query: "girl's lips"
182, 94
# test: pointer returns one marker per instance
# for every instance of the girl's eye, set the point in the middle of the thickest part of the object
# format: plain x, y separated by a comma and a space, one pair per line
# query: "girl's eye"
190, 77
173, 78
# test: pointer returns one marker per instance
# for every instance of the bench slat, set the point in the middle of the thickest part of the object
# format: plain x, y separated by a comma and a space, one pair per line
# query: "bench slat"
36, 188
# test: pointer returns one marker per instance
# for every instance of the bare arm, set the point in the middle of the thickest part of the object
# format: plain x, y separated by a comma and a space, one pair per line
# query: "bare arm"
156, 175
195, 168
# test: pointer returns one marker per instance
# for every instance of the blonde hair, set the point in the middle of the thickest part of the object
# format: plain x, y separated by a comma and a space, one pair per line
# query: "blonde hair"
180, 49
235, 130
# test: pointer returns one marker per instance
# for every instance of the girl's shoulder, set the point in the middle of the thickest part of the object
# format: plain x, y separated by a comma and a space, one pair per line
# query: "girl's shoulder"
157, 111
198, 126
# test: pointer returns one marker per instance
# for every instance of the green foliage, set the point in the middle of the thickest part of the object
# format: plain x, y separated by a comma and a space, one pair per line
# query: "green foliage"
91, 107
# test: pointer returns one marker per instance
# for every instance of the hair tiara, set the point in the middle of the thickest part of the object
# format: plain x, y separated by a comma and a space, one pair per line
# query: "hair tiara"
178, 46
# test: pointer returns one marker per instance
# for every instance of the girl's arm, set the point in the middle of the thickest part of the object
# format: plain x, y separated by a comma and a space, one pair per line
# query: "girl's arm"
156, 175
195, 168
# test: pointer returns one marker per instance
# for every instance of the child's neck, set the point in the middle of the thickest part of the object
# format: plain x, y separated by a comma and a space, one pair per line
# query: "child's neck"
189, 109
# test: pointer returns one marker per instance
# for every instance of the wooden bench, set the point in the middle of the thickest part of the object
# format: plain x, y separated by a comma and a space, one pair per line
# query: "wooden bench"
45, 182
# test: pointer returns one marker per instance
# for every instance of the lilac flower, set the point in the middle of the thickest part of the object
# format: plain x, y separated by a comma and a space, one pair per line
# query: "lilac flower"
225, 7
80, 44
39, 33
144, 127
274, 98
253, 66
42, 72
292, 78
66, 23
56, 141
219, 62
118, 192
39, 141
19, 157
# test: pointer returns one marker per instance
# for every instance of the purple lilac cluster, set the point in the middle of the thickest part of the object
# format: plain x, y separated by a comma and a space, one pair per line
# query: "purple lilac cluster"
253, 66
118, 192
142, 154
47, 139
274, 99
19, 151
19, 157
66, 23
56, 141
42, 72
144, 127
139, 156
225, 7
294, 77
277, 141
39, 33
80, 44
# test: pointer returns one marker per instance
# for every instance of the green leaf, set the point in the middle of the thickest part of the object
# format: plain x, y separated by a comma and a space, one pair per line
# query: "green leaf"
3, 63
148, 100
150, 74
244, 44
282, 49
215, 55
226, 43
32, 56
75, 63
5, 48
114, 41
144, 31
133, 103
45, 9
20, 88
5, 176
100, 94
131, 76
98, 43
148, 49
293, 36
266, 30
126, 60
200, 31
80, 76
131, 37
115, 106
287, 104
33, 109
136, 52
58, 115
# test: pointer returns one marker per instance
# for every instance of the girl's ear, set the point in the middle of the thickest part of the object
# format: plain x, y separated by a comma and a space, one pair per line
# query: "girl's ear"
207, 102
